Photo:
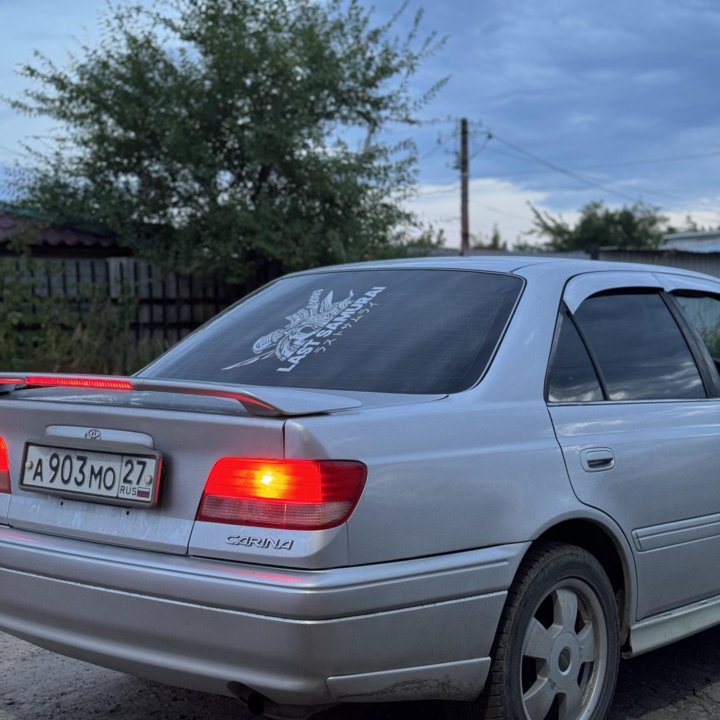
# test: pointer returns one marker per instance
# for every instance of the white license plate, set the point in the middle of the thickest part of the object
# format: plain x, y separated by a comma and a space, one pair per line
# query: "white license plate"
124, 478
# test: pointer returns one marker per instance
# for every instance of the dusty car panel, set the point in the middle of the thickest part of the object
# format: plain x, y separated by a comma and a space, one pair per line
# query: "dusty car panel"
378, 481
497, 502
657, 473
644, 494
189, 444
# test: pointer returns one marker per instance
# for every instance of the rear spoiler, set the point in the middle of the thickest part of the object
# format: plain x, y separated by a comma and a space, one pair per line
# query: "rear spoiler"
268, 402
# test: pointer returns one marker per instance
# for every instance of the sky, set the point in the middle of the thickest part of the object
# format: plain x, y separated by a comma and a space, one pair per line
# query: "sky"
569, 102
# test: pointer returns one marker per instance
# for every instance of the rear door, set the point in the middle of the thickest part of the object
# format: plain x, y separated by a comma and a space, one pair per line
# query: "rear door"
635, 409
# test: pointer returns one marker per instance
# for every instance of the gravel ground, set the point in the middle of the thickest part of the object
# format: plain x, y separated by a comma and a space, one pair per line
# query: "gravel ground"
681, 681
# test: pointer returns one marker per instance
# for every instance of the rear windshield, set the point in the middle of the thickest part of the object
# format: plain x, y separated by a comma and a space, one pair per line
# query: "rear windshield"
395, 331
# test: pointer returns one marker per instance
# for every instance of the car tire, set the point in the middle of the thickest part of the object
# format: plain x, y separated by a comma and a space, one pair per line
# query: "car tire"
557, 650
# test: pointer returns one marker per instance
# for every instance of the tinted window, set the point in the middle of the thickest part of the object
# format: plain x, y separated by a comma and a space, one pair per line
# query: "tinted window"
572, 377
639, 348
703, 314
405, 331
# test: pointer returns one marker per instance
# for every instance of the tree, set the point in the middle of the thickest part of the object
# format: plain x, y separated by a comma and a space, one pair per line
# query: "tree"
233, 135
494, 243
637, 226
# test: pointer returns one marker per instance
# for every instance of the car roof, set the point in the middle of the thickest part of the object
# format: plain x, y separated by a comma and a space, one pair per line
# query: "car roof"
513, 264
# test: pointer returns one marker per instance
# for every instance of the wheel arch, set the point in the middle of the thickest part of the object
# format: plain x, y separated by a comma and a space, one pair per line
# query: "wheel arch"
610, 550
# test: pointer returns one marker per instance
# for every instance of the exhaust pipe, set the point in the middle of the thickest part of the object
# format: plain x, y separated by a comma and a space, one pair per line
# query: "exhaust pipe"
259, 705
255, 703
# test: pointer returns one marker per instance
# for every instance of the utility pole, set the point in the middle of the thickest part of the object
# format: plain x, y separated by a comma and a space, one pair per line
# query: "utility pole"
464, 174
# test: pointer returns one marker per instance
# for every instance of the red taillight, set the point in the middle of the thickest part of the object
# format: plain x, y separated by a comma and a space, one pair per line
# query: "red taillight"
291, 494
79, 381
4, 467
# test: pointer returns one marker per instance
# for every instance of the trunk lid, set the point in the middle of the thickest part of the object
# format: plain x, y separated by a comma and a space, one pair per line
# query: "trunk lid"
191, 432
189, 443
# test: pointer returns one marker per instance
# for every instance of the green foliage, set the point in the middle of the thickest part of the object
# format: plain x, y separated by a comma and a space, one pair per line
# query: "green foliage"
637, 226
711, 338
232, 135
704, 316
494, 243
53, 332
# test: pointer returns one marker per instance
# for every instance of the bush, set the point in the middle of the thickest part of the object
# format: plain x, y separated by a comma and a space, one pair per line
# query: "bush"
47, 330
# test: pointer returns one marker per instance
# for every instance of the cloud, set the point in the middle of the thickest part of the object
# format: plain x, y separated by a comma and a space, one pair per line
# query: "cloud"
580, 83
506, 205
492, 202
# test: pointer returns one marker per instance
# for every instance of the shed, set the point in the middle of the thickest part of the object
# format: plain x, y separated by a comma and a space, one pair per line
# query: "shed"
55, 241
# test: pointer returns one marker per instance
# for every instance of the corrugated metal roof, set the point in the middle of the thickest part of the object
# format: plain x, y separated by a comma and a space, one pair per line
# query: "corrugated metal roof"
13, 221
694, 247
694, 242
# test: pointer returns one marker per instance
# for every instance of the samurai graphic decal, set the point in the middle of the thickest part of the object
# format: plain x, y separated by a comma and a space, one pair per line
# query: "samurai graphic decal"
307, 328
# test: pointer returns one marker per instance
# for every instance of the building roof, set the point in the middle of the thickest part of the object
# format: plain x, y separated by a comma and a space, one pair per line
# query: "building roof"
695, 242
54, 239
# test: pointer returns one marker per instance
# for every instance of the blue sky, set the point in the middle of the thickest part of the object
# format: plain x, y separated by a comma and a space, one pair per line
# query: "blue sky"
621, 95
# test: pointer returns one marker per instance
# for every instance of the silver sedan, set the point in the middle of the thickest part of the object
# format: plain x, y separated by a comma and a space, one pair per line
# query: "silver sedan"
474, 480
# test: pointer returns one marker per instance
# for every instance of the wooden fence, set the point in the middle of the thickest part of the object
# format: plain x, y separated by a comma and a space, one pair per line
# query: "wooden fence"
169, 306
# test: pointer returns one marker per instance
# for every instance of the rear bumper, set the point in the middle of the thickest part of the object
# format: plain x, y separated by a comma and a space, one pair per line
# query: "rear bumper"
416, 629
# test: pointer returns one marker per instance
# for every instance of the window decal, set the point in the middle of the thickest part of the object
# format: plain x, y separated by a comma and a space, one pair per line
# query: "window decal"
311, 329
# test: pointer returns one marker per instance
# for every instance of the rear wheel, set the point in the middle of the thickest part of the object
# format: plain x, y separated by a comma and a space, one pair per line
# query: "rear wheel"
557, 651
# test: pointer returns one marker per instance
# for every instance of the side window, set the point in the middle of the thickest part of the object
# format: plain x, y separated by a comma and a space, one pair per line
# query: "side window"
703, 314
572, 377
639, 348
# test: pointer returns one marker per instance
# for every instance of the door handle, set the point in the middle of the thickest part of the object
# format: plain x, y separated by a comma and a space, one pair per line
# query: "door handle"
597, 459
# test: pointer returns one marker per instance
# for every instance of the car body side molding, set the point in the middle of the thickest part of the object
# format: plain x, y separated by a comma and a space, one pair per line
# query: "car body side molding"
669, 627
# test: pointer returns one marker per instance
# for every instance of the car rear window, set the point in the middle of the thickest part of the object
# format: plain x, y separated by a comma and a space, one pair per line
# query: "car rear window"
396, 331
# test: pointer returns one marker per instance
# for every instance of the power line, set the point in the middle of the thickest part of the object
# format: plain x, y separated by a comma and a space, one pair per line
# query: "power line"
603, 166
502, 212
444, 191
430, 152
473, 203
441, 142
561, 170
13, 152
447, 120
482, 147
594, 183
516, 150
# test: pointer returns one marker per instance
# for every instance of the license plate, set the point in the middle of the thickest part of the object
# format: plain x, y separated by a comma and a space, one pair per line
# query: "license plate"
120, 478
